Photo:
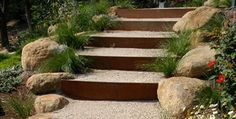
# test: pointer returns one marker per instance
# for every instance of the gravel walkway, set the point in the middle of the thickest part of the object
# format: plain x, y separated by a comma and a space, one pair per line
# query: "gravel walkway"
78, 109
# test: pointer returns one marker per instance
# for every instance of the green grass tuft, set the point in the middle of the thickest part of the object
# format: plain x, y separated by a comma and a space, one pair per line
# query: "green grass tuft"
65, 61
167, 65
22, 105
179, 45
65, 35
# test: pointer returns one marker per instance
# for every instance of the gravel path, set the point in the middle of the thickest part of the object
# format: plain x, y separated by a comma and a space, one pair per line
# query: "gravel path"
78, 109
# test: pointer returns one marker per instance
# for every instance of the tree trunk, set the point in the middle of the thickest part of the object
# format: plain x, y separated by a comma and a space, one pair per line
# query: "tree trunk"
3, 27
28, 14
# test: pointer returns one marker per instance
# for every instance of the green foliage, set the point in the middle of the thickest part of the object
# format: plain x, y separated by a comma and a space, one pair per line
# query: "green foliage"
27, 36
222, 3
22, 105
10, 78
83, 21
225, 66
179, 45
176, 48
9, 60
103, 23
3, 57
125, 4
190, 3
207, 96
65, 35
167, 65
215, 23
65, 61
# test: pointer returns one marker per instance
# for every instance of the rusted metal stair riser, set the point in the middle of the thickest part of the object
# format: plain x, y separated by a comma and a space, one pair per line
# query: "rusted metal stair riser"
152, 13
126, 42
109, 91
145, 25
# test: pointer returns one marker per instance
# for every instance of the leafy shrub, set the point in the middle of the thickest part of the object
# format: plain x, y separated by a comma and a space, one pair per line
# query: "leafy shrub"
65, 61
83, 20
178, 45
224, 71
27, 36
10, 78
167, 65
9, 60
22, 105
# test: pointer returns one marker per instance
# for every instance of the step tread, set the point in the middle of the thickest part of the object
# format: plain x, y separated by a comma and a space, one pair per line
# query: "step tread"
121, 52
118, 76
134, 34
109, 110
147, 19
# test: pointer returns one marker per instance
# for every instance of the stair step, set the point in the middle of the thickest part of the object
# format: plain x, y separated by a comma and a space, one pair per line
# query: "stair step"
79, 109
120, 58
154, 24
130, 39
153, 12
113, 85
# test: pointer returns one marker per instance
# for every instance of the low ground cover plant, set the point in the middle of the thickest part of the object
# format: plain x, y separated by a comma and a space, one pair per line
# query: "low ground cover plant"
10, 78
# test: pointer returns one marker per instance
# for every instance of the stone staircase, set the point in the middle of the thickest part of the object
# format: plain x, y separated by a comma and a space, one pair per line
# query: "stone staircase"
119, 53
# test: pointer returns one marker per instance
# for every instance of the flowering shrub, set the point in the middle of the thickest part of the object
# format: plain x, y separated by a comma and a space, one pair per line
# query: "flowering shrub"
224, 69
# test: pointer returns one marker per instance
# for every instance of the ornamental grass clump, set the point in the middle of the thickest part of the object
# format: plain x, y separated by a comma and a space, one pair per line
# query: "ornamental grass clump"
21, 105
65, 61
175, 48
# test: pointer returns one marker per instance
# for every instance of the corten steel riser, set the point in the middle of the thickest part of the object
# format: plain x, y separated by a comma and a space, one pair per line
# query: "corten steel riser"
145, 25
120, 63
153, 13
109, 91
126, 42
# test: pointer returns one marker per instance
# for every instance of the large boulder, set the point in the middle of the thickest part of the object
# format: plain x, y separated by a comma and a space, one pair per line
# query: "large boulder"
176, 94
195, 19
34, 53
194, 63
46, 82
49, 103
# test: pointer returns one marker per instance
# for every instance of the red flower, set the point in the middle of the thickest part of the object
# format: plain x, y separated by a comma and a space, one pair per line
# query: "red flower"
211, 64
221, 78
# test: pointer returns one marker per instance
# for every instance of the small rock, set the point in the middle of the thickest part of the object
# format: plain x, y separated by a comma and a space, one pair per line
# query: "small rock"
49, 103
176, 94
46, 82
52, 29
112, 11
194, 63
195, 19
